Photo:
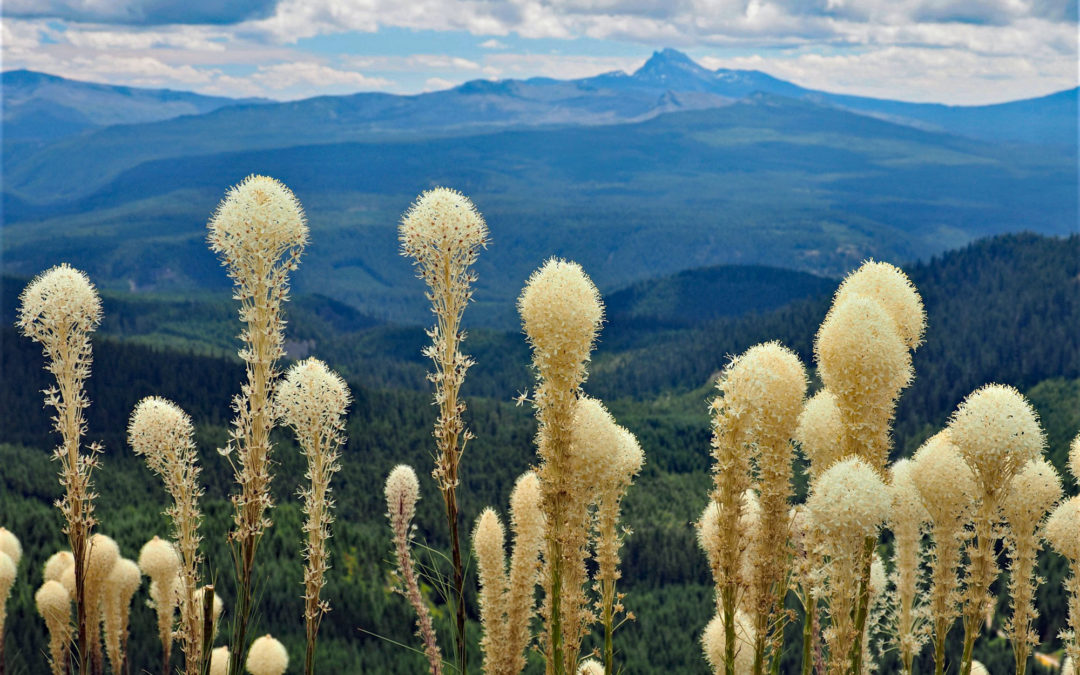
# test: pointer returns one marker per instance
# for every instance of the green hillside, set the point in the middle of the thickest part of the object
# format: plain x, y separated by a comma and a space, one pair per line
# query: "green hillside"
758, 181
1003, 309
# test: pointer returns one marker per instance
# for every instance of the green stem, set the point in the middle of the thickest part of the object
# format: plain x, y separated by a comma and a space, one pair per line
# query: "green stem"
809, 625
863, 610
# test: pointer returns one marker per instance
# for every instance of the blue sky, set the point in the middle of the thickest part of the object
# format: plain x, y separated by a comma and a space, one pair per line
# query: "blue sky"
952, 51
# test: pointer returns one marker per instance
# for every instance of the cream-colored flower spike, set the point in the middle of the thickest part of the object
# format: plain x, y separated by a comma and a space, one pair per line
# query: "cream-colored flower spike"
312, 400
443, 233
219, 661
561, 312
947, 489
489, 542
124, 579
7, 580
908, 516
713, 640
259, 232
820, 432
865, 363
441, 227
59, 309
54, 605
402, 492
267, 656
103, 556
56, 301
591, 667
888, 285
9, 544
847, 507
1062, 530
997, 432
259, 221
56, 565
528, 523
1033, 492
160, 561
162, 433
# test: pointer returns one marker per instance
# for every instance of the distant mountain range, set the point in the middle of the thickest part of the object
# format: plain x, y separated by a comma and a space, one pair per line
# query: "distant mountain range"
673, 167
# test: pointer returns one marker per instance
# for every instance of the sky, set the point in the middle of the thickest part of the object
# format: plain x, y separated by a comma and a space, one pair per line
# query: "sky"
949, 51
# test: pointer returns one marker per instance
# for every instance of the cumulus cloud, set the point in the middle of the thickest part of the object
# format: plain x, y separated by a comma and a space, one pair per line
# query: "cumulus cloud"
142, 12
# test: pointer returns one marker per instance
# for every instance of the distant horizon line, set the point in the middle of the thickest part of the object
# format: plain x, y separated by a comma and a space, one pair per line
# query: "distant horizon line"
656, 53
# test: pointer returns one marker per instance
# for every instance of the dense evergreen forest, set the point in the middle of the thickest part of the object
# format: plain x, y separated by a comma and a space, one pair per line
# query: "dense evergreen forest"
1004, 309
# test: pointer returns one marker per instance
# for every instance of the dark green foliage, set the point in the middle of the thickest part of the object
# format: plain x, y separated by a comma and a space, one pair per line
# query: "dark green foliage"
1001, 310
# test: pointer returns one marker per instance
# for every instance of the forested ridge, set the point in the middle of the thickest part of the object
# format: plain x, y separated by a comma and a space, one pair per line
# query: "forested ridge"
1004, 309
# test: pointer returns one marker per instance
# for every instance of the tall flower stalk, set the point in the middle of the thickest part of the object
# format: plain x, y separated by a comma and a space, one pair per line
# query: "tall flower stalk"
996, 432
508, 601
402, 493
259, 231
443, 233
863, 350
908, 516
946, 488
312, 400
162, 433
561, 313
59, 309
1034, 491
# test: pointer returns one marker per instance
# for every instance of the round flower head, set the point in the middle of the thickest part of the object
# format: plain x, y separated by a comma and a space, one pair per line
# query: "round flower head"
311, 396
763, 392
708, 535
158, 559
819, 431
1033, 492
402, 491
907, 505
124, 580
53, 604
57, 299
595, 436
219, 661
945, 483
561, 312
525, 513
864, 362
9, 544
714, 645
259, 219
7, 576
157, 428
103, 556
591, 667
888, 285
849, 502
442, 222
978, 669
56, 565
267, 656
1067, 668
997, 432
1062, 529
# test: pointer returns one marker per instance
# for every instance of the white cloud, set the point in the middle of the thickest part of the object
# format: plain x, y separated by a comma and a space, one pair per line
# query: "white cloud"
493, 44
437, 84
307, 78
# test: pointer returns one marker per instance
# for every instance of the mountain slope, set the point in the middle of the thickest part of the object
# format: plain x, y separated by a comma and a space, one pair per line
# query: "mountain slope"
761, 181
41, 107
669, 81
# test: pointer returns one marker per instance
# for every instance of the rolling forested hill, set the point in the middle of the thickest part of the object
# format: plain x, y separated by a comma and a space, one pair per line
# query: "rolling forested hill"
1003, 309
